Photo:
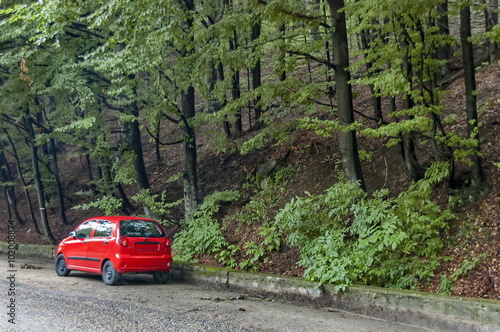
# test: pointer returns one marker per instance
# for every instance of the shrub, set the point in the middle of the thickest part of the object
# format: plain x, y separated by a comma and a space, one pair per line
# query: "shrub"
202, 234
347, 237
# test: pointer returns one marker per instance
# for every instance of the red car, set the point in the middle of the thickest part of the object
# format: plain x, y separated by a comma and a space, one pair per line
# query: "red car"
114, 245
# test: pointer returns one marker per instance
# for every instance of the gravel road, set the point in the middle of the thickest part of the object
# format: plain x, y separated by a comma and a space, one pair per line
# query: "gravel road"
81, 302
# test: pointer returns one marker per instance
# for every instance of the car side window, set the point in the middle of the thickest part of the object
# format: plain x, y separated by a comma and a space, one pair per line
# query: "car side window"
85, 229
103, 228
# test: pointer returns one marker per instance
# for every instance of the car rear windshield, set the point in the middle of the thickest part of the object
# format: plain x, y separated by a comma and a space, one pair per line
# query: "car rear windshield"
140, 228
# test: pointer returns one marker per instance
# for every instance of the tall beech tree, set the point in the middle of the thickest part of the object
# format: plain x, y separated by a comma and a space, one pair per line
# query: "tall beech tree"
256, 73
477, 173
444, 50
22, 179
347, 137
28, 122
7, 182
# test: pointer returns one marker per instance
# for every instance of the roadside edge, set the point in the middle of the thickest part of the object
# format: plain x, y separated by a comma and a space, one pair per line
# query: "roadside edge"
432, 311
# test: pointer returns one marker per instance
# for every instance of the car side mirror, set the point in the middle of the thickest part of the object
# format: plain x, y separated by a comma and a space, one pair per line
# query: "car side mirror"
72, 234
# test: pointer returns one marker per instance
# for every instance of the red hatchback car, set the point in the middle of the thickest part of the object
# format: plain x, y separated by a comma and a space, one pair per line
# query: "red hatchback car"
114, 245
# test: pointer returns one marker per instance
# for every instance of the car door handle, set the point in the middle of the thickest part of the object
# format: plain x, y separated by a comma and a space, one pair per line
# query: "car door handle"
105, 242
84, 242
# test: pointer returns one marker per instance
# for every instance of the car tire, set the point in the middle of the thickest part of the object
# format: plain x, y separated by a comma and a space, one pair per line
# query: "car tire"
61, 267
109, 275
161, 277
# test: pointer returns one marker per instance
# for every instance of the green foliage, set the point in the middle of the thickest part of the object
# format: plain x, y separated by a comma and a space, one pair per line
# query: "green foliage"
276, 132
271, 237
494, 34
156, 203
258, 210
253, 253
265, 198
124, 169
174, 177
347, 237
326, 128
109, 204
84, 124
202, 233
257, 253
227, 256
448, 284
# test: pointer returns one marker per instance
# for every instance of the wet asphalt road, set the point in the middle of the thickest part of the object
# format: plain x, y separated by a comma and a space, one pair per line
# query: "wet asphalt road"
81, 302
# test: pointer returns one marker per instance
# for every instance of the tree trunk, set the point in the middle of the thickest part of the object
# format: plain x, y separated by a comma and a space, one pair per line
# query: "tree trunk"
235, 89
444, 51
7, 181
38, 181
126, 207
23, 181
283, 52
135, 144
477, 174
157, 141
413, 168
212, 104
316, 7
256, 77
88, 165
57, 177
226, 125
190, 177
377, 100
9, 212
347, 139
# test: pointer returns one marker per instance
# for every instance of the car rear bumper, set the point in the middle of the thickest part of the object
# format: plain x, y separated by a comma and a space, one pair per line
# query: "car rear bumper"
143, 263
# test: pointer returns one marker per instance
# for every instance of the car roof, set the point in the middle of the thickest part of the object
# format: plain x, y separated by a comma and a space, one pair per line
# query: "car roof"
118, 218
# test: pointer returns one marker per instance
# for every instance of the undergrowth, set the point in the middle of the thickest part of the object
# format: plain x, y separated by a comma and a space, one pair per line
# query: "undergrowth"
202, 233
344, 235
448, 283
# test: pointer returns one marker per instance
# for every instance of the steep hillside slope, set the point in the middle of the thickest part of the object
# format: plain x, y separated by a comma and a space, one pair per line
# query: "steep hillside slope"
470, 261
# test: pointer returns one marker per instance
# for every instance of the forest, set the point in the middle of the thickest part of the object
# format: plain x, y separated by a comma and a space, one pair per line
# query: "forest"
342, 141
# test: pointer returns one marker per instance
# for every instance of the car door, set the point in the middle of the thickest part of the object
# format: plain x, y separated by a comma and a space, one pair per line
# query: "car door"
98, 245
76, 248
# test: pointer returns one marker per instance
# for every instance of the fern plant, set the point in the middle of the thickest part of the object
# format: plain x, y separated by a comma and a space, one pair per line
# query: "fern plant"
258, 211
202, 233
347, 237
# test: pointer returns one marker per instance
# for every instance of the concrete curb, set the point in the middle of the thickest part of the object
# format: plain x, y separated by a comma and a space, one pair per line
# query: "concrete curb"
28, 249
435, 312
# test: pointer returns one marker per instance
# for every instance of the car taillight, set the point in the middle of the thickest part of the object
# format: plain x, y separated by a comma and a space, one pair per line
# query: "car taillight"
167, 242
123, 241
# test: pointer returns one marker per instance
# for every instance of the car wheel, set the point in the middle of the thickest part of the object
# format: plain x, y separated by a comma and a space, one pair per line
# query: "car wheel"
109, 275
61, 267
161, 277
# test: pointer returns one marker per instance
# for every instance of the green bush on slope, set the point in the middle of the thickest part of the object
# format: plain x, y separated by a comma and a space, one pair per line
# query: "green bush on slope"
346, 237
